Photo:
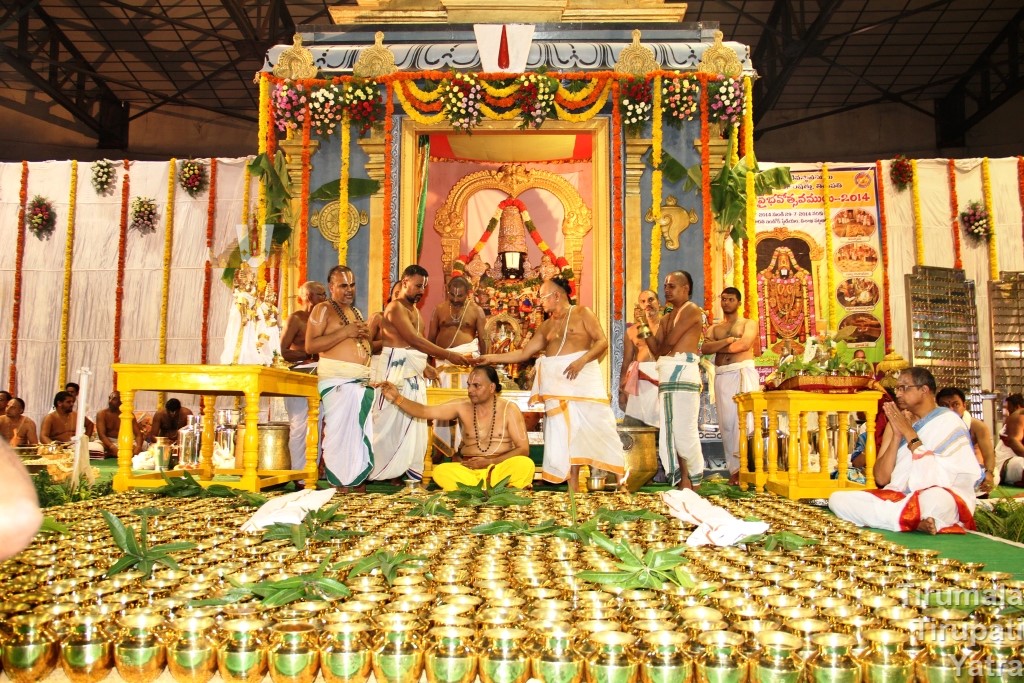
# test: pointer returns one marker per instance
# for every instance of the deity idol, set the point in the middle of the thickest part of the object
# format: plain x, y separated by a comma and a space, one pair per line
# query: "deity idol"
786, 301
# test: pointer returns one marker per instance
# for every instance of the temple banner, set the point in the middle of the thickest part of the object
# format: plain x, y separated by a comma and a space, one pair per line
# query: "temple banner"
812, 281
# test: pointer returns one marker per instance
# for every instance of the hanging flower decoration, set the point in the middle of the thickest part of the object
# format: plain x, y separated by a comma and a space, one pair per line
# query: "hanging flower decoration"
725, 102
535, 99
289, 102
680, 99
976, 221
326, 106
103, 177
40, 218
635, 103
143, 215
192, 177
364, 104
460, 96
901, 172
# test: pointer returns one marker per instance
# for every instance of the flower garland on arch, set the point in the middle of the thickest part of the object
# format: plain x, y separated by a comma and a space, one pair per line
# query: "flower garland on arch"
346, 165
122, 251
211, 219
19, 259
165, 287
954, 214
748, 149
883, 236
705, 187
918, 229
41, 217
657, 134
830, 267
617, 228
69, 253
993, 253
389, 110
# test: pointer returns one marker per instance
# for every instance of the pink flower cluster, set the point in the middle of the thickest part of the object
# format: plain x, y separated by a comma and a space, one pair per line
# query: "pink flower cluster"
289, 100
976, 221
680, 100
41, 217
192, 177
461, 96
535, 99
725, 101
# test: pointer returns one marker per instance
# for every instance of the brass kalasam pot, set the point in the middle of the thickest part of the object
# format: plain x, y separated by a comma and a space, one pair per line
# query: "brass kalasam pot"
273, 451
139, 652
640, 450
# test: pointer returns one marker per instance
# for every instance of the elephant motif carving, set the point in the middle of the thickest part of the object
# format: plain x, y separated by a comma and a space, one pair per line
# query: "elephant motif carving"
674, 219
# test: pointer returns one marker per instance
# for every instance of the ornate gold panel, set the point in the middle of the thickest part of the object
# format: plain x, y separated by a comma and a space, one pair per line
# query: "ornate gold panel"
326, 221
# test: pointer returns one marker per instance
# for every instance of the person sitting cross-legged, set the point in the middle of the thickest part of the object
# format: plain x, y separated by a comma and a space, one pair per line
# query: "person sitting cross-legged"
494, 441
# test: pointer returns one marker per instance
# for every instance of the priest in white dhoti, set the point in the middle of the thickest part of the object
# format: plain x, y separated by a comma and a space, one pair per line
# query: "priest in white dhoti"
927, 473
676, 345
400, 440
337, 332
579, 425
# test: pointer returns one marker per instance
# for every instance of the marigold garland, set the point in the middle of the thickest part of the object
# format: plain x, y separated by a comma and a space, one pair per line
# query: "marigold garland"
211, 219
1020, 189
954, 213
918, 228
165, 288
617, 142
883, 236
389, 110
705, 187
602, 99
657, 134
65, 299
303, 240
993, 252
411, 111
750, 277
584, 94
19, 258
122, 250
830, 268
500, 93
346, 163
266, 111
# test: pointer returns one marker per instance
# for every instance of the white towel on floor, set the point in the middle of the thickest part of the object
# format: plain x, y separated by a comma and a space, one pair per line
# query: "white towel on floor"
715, 526
290, 508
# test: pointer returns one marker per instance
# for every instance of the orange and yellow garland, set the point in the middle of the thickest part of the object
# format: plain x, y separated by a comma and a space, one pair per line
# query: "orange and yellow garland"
69, 253
1020, 189
389, 110
954, 213
656, 183
19, 258
918, 228
303, 238
346, 163
993, 251
750, 275
211, 217
705, 188
122, 250
617, 142
830, 268
883, 237
165, 287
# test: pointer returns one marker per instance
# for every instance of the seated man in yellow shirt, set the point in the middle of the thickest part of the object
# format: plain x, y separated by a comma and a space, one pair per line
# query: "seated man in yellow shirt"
491, 449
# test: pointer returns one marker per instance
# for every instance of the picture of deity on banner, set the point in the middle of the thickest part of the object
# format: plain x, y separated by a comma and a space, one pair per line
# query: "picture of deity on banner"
786, 294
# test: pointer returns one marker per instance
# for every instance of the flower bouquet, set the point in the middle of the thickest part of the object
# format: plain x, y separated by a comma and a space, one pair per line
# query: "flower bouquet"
365, 105
103, 177
635, 103
535, 98
725, 102
143, 215
460, 96
325, 110
680, 98
901, 173
976, 221
41, 218
192, 177
289, 100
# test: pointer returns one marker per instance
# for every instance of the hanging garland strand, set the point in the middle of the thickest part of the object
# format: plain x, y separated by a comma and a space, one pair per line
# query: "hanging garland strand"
1020, 190
165, 287
656, 183
993, 251
954, 213
705, 187
346, 144
830, 269
303, 241
883, 236
211, 217
69, 253
389, 111
122, 251
750, 277
617, 142
918, 229
19, 258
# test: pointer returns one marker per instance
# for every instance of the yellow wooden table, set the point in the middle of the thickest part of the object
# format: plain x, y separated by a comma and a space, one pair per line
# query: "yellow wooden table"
211, 381
797, 480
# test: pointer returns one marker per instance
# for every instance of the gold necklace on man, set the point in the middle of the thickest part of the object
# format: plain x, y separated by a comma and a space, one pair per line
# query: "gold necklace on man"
364, 346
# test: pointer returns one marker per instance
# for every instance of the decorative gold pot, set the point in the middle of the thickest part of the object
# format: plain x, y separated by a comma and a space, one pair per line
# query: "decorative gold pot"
192, 652
449, 657
777, 662
554, 656
293, 656
721, 661
833, 662
30, 653
504, 657
139, 652
886, 661
664, 658
640, 448
242, 654
85, 654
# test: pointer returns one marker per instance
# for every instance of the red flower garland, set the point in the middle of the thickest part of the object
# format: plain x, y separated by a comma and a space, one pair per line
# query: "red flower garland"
19, 257
1020, 188
705, 190
307, 125
389, 110
211, 216
883, 236
122, 251
617, 143
955, 214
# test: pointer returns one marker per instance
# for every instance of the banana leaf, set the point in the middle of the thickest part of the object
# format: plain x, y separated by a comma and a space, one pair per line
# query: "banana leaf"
357, 187
274, 176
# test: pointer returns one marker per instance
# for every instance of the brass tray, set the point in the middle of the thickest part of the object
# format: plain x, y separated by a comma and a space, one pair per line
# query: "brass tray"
824, 384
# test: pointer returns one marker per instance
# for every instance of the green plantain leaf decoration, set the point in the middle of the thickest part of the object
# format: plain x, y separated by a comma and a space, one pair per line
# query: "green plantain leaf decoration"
137, 552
